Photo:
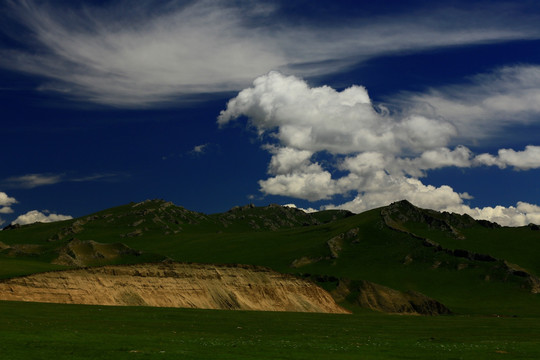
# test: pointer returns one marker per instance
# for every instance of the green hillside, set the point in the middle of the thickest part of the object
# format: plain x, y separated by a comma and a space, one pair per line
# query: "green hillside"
472, 267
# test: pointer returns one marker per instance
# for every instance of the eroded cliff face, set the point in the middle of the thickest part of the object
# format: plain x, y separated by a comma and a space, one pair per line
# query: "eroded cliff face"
201, 286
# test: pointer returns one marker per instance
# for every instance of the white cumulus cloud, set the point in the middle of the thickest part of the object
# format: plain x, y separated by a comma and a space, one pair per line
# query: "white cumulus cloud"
199, 149
373, 155
286, 160
521, 214
308, 210
391, 189
5, 203
521, 160
312, 184
38, 216
323, 119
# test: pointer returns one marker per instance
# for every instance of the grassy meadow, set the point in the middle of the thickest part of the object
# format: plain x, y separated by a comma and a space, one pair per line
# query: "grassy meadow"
52, 331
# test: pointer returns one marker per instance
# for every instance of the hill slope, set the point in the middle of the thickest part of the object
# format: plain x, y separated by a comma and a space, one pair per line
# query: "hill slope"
469, 266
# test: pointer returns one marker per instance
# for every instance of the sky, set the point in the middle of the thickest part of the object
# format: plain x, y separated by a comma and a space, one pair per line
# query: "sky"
320, 104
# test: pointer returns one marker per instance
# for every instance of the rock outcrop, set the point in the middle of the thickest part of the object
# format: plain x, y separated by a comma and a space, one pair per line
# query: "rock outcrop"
234, 287
533, 282
381, 298
88, 252
271, 217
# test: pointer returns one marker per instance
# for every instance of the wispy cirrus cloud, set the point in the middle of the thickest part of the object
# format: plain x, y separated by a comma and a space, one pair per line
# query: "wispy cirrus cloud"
484, 105
135, 55
30, 181
98, 177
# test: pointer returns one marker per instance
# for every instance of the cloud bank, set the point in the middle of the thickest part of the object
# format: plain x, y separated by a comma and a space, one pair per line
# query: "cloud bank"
374, 155
135, 55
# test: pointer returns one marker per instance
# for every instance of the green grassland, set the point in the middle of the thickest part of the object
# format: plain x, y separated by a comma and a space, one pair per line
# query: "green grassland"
51, 331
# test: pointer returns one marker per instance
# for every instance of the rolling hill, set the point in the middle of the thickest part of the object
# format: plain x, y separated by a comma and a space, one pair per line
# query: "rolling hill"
398, 258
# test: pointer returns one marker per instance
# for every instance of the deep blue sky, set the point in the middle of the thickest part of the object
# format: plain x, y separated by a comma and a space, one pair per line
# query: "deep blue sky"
104, 103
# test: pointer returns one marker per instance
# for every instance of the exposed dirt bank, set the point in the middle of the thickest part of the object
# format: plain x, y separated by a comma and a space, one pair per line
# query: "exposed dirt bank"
173, 285
384, 299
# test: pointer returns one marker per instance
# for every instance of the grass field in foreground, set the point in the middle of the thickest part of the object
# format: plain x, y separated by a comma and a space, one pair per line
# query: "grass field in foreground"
51, 331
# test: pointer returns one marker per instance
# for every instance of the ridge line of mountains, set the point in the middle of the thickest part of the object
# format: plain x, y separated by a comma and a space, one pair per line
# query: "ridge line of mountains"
395, 259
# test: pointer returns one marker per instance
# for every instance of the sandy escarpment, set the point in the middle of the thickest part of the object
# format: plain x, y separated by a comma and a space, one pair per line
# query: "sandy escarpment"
173, 285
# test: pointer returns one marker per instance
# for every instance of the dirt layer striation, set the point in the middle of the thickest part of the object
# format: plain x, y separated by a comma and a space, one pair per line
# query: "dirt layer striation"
228, 287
